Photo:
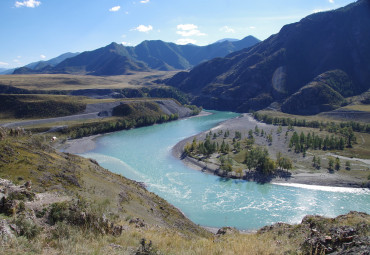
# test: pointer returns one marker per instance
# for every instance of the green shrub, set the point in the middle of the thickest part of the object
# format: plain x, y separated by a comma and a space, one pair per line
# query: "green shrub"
61, 230
27, 227
59, 212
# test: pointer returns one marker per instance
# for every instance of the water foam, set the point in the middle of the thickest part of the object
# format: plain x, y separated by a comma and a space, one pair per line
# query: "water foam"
326, 188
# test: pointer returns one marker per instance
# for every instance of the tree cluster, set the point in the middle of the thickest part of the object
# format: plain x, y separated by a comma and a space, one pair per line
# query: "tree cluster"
316, 162
87, 129
331, 127
259, 159
302, 142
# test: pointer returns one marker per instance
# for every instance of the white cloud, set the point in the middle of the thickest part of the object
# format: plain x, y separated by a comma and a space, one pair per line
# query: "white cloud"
186, 27
189, 30
184, 41
16, 60
252, 27
227, 29
190, 33
143, 28
126, 43
144, 1
115, 8
3, 64
42, 56
331, 1
27, 3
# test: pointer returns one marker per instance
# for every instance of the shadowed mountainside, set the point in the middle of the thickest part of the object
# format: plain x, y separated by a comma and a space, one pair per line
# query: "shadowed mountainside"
278, 67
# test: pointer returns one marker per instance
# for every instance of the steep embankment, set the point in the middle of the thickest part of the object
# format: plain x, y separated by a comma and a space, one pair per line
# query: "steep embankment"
280, 66
86, 189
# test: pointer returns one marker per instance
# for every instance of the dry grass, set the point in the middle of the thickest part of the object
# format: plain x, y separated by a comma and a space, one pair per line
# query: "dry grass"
164, 241
76, 82
298, 117
358, 107
281, 239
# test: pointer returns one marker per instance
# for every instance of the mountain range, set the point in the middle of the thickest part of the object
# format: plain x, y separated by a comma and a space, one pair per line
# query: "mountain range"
326, 54
6, 71
52, 62
116, 59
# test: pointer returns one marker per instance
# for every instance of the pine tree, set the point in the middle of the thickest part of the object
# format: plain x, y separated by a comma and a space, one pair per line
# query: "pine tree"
348, 165
256, 130
278, 159
331, 163
341, 143
250, 133
193, 144
318, 163
337, 163
227, 148
314, 161
223, 146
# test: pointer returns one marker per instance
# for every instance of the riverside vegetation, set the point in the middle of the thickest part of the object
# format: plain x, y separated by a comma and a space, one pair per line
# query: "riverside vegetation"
130, 113
282, 149
229, 151
58, 203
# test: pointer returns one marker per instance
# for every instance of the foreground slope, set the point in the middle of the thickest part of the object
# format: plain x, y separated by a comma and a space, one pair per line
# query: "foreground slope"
64, 204
278, 67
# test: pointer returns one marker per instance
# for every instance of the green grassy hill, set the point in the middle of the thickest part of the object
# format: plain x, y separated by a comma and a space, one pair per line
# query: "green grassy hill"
39, 106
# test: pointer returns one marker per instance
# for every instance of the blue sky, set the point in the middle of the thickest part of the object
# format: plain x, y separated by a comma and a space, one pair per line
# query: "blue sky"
32, 30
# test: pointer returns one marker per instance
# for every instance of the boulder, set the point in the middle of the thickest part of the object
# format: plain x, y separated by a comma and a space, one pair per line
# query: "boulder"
227, 231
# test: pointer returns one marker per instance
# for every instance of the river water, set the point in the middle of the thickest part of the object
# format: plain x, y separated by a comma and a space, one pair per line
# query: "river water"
144, 155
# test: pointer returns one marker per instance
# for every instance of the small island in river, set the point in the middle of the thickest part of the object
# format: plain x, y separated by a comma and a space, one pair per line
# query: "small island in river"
244, 148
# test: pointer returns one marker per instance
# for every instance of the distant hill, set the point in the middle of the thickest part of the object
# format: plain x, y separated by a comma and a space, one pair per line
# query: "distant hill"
280, 66
43, 65
52, 62
227, 39
6, 71
116, 59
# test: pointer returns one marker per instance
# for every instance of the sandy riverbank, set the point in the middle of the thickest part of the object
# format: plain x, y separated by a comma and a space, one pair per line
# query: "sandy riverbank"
85, 144
298, 176
79, 146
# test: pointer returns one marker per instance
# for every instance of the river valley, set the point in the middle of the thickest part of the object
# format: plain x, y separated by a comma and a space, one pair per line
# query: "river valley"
144, 155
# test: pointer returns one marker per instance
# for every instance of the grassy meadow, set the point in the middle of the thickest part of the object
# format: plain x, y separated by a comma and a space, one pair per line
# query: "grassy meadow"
63, 82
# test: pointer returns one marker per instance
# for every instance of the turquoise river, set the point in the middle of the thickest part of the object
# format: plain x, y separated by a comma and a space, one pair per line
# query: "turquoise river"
144, 155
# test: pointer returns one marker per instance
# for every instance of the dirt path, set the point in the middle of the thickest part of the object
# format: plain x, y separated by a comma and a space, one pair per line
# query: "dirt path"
86, 116
103, 110
92, 111
43, 199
